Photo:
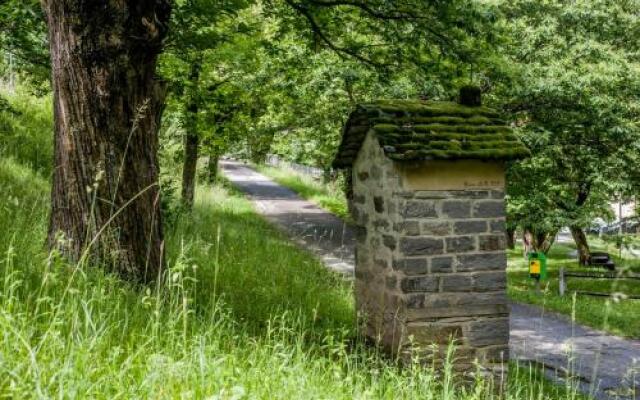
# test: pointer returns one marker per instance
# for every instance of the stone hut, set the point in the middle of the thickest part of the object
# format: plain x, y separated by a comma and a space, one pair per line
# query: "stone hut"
428, 201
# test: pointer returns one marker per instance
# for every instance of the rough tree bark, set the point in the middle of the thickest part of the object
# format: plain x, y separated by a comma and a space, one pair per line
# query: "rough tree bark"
544, 241
579, 237
191, 138
105, 204
212, 167
510, 233
584, 254
537, 240
191, 144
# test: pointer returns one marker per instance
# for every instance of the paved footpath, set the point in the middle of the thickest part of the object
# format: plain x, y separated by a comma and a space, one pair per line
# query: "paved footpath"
604, 365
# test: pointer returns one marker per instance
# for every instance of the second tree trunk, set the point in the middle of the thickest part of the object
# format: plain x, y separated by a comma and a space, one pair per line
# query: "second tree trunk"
213, 167
191, 139
581, 244
191, 143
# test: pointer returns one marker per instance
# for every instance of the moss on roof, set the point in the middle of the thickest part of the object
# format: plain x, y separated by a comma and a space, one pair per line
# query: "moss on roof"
413, 130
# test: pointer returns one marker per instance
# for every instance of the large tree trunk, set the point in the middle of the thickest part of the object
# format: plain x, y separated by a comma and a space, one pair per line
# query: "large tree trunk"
105, 204
191, 144
581, 244
191, 139
578, 234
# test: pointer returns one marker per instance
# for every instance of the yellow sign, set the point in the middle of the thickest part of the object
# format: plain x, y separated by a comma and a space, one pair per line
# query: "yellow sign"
454, 175
534, 267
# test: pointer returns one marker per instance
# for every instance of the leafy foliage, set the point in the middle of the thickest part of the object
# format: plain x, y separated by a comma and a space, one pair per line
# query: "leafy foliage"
23, 43
25, 131
573, 94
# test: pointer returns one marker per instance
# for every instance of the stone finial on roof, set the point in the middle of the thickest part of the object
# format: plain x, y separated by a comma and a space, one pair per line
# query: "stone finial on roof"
470, 96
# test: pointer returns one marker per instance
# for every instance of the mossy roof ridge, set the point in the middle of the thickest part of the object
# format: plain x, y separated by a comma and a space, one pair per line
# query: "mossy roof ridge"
414, 130
422, 108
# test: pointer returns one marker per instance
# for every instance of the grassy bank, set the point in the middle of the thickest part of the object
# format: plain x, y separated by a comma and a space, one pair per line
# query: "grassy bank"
242, 314
615, 316
26, 127
328, 196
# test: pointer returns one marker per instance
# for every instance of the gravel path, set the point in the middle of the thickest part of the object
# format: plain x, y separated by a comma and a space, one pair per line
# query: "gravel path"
312, 227
604, 365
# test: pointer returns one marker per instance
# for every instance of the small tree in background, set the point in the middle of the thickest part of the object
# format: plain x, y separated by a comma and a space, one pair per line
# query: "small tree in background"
574, 98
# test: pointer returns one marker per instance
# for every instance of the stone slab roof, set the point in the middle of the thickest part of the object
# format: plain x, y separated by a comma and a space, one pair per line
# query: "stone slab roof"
414, 130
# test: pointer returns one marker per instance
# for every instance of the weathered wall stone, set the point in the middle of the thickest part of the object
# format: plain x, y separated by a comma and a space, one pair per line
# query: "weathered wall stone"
442, 264
467, 227
489, 209
488, 281
420, 209
421, 246
456, 209
420, 284
492, 242
486, 332
457, 283
436, 228
408, 228
430, 265
481, 262
378, 204
460, 244
411, 266
498, 226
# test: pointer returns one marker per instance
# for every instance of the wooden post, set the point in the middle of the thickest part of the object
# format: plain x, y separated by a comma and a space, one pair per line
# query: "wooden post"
620, 228
562, 285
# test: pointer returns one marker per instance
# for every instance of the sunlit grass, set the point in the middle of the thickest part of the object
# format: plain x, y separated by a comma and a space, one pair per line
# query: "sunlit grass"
618, 316
328, 196
26, 127
241, 314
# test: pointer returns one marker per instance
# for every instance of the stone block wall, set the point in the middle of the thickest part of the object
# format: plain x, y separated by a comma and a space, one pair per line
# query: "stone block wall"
375, 180
430, 265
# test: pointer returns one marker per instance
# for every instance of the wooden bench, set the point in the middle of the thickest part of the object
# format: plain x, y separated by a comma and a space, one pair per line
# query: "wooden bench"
602, 259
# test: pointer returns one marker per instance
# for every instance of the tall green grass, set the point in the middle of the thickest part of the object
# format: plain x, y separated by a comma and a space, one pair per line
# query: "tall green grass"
616, 314
26, 130
241, 313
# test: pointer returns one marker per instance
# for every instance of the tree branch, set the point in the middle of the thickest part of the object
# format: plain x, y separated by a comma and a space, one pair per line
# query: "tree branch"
317, 29
398, 15
403, 15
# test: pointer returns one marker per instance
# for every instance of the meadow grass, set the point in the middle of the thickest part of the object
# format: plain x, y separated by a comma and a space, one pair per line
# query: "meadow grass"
617, 316
614, 314
326, 195
240, 314
26, 127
